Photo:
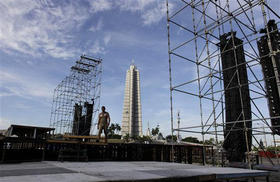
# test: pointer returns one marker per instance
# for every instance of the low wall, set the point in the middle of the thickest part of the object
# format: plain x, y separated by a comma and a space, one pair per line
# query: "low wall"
18, 150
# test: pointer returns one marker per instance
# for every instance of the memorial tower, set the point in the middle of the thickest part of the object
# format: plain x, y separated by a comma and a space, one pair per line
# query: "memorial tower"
132, 115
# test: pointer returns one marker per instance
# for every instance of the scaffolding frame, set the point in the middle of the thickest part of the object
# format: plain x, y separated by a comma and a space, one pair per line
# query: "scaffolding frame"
82, 85
209, 20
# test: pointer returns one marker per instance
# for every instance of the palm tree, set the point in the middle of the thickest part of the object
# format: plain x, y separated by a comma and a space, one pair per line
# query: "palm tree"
113, 129
118, 128
126, 138
155, 131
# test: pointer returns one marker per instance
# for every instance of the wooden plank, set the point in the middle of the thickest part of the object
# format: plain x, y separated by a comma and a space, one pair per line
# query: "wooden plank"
62, 141
95, 143
82, 137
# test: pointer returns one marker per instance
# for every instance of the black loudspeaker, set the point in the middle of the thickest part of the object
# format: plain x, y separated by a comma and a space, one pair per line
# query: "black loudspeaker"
82, 123
270, 71
85, 123
77, 118
237, 97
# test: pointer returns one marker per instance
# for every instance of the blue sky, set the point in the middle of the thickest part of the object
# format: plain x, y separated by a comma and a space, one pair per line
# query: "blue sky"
41, 40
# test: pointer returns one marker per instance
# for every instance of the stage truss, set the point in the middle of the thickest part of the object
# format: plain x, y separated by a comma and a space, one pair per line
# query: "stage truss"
194, 30
82, 85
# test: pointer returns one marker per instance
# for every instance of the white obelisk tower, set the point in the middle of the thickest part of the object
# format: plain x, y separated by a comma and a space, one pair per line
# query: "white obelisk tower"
132, 114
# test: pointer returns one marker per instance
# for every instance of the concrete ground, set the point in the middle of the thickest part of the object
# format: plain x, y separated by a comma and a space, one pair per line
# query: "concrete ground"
118, 171
274, 176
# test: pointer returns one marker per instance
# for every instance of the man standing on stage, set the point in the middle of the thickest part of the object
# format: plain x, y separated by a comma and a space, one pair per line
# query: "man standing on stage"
103, 122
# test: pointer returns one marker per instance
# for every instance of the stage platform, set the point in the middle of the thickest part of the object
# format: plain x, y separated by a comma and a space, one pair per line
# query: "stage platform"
121, 171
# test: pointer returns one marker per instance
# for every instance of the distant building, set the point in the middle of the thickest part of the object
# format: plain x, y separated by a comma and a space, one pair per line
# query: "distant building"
3, 132
34, 132
132, 115
148, 133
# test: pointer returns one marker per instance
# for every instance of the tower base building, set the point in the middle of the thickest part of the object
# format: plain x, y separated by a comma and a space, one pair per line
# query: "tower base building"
132, 114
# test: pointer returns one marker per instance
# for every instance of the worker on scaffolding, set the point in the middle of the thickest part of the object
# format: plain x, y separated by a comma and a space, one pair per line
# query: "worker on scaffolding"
103, 123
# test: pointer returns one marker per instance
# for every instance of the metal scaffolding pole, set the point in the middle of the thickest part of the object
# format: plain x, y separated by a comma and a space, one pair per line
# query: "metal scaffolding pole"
199, 48
80, 89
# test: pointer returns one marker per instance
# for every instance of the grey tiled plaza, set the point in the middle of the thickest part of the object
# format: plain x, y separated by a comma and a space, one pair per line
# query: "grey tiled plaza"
121, 171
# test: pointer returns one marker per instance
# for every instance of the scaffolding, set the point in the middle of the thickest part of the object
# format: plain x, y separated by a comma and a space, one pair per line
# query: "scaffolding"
197, 72
81, 89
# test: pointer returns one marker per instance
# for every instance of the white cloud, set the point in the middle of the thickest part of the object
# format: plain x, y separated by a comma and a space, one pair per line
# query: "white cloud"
97, 48
107, 38
136, 5
100, 5
36, 28
4, 123
152, 11
15, 85
98, 26
129, 38
113, 90
155, 14
43, 27
20, 105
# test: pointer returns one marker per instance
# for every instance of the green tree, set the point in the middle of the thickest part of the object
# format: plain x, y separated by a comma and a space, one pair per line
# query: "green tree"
155, 131
142, 139
169, 138
211, 141
126, 138
118, 128
191, 139
273, 148
146, 138
113, 131
160, 136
